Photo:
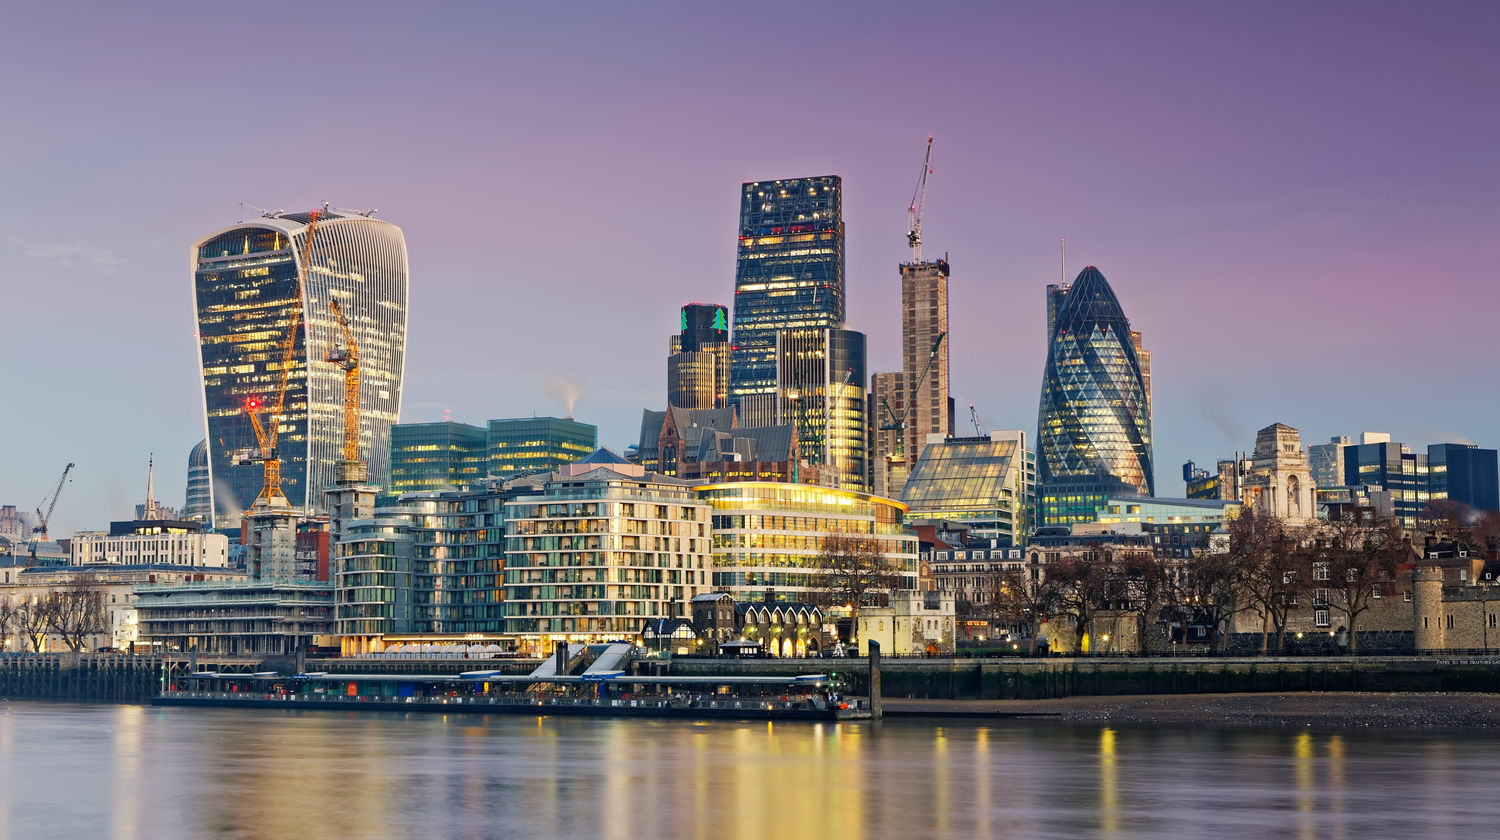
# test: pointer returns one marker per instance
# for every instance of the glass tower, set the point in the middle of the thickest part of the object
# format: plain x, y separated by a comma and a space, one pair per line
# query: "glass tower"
789, 275
535, 444
820, 379
245, 291
1094, 423
698, 358
437, 456
988, 483
200, 503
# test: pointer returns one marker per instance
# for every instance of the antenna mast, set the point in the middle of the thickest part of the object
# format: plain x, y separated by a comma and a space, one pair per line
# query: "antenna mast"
914, 210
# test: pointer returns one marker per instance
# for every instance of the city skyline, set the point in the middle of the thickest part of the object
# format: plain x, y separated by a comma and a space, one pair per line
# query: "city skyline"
1265, 220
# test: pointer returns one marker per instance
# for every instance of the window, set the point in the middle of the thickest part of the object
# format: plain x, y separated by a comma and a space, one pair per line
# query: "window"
1449, 622
1320, 571
1491, 618
1406, 595
1320, 618
1375, 591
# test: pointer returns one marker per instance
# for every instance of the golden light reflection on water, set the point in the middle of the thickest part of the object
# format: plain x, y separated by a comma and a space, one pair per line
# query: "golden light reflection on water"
231, 774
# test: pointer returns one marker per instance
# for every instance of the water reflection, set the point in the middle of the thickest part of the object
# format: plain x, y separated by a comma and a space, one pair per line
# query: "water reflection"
131, 773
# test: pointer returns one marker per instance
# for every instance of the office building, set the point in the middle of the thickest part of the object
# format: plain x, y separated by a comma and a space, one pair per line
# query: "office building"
199, 506
437, 456
767, 537
246, 293
1391, 467
537, 444
1463, 473
1326, 460
1094, 421
789, 275
924, 352
157, 542
987, 485
889, 464
820, 376
698, 358
1178, 527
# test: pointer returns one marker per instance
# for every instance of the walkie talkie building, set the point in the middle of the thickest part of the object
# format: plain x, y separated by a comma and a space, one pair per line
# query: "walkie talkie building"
245, 292
1094, 423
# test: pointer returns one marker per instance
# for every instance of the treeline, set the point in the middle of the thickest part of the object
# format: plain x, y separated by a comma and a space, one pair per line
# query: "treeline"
1270, 565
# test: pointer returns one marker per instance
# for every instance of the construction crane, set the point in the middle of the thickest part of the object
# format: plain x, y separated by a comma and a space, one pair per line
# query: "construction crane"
266, 433
898, 424
974, 418
39, 533
914, 210
345, 354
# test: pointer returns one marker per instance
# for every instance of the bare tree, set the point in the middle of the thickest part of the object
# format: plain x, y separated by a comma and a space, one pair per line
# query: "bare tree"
1445, 518
1274, 569
31, 619
853, 570
1141, 583
1356, 557
1486, 531
7, 619
79, 611
1081, 585
1210, 589
1024, 602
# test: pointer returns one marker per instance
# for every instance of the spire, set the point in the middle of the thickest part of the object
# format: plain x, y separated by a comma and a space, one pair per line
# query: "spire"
150, 511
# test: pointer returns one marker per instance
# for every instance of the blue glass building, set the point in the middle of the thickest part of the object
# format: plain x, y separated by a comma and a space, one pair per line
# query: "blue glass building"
1094, 422
789, 274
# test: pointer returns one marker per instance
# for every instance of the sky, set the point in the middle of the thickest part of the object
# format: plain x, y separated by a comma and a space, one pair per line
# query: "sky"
1294, 201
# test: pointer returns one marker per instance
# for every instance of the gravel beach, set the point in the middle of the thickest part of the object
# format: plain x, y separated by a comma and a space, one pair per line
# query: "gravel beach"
1303, 709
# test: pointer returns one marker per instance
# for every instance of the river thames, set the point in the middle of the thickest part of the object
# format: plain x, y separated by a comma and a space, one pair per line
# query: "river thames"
135, 773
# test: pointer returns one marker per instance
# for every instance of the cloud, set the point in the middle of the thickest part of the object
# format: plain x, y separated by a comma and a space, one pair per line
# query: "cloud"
70, 254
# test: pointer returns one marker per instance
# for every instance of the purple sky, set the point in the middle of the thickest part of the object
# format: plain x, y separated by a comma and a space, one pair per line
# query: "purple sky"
1296, 203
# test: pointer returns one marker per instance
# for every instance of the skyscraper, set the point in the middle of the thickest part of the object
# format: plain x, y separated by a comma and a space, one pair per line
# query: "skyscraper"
789, 275
1094, 421
437, 456
819, 388
200, 500
533, 444
245, 292
926, 407
698, 358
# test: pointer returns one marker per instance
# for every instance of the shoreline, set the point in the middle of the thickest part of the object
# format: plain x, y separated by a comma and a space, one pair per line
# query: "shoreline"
1333, 709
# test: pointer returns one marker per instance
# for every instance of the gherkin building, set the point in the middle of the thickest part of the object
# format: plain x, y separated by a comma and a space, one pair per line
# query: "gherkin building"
1094, 424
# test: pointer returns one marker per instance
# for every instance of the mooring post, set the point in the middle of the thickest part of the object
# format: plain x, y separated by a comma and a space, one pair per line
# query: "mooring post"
875, 679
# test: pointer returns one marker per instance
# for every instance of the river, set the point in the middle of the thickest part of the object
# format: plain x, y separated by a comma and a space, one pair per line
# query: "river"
141, 773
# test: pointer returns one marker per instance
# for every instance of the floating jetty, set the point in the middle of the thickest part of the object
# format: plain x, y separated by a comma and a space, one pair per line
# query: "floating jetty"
805, 697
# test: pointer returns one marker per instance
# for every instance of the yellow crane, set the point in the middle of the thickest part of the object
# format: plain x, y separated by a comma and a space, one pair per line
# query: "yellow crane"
266, 433
346, 356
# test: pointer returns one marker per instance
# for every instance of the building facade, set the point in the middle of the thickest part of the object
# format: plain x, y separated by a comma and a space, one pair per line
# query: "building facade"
1326, 461
924, 350
246, 292
199, 506
437, 456
767, 537
1094, 422
1279, 481
537, 444
789, 274
889, 462
698, 358
986, 484
593, 554
820, 376
158, 542
1463, 473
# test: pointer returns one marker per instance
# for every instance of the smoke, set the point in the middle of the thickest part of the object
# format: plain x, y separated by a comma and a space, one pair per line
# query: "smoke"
1449, 437
224, 500
1213, 412
565, 390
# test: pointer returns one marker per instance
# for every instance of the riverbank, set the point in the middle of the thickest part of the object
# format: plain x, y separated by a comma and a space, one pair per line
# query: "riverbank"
1339, 709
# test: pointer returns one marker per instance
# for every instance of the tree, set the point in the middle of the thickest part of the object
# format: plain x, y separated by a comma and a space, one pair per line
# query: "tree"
853, 570
1143, 584
7, 619
1445, 518
78, 611
31, 619
1081, 586
1023, 601
1486, 531
1360, 556
1274, 570
1210, 590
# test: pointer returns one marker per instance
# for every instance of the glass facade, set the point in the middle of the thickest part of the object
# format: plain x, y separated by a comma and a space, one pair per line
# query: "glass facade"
987, 483
698, 358
200, 502
789, 273
535, 444
1463, 473
1094, 422
820, 377
437, 456
767, 536
245, 293
1402, 474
